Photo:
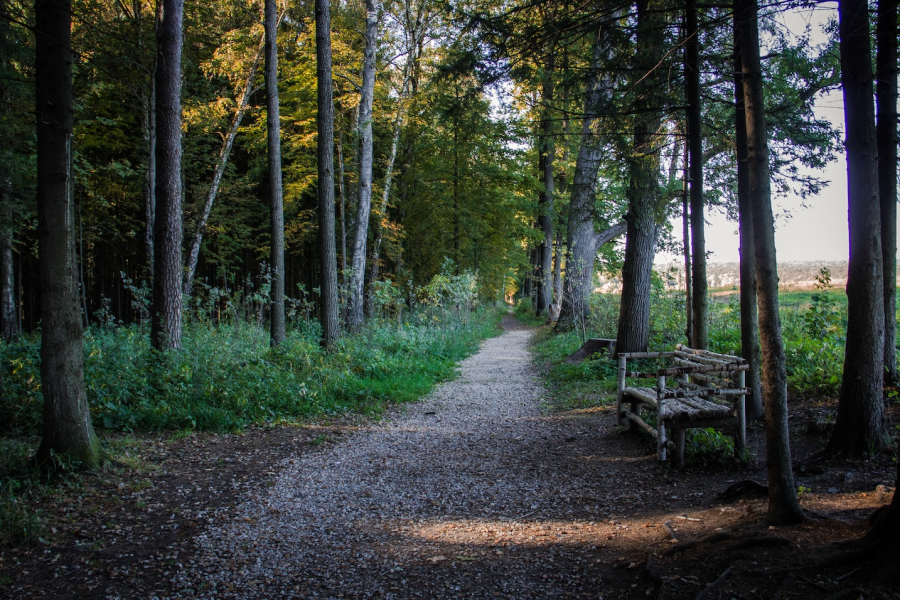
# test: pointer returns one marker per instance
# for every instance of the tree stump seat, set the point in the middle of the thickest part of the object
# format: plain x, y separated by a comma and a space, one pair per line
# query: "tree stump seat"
705, 389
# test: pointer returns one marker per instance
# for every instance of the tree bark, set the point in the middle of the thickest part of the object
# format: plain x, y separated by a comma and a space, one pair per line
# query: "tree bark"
221, 163
686, 237
364, 206
783, 504
277, 332
583, 241
860, 416
547, 149
633, 333
695, 151
886, 138
340, 147
753, 406
150, 176
325, 146
9, 317
381, 214
67, 425
165, 324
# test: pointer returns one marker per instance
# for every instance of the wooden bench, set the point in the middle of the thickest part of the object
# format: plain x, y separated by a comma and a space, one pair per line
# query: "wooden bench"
700, 389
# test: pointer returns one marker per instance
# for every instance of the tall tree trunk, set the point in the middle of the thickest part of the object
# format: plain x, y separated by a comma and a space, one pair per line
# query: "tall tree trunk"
686, 241
886, 138
364, 206
165, 324
860, 417
633, 333
783, 504
695, 152
340, 147
381, 214
583, 240
547, 148
557, 267
67, 419
749, 315
221, 163
277, 331
150, 175
325, 146
9, 317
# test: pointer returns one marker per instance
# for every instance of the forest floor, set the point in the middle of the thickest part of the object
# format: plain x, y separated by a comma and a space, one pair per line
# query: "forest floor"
478, 491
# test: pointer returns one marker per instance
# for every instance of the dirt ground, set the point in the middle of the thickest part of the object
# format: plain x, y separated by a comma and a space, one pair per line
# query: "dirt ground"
628, 527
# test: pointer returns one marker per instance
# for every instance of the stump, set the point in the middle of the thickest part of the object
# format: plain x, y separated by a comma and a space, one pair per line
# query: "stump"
592, 346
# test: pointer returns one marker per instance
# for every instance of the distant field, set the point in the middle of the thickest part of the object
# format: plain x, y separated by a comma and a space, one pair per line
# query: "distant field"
726, 276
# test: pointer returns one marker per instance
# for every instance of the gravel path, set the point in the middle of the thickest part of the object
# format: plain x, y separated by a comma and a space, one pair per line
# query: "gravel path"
469, 493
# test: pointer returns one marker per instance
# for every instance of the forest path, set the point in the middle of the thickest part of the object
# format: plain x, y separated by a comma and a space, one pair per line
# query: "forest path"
471, 493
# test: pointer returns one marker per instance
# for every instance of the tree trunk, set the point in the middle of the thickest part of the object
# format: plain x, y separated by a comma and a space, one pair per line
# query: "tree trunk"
364, 206
557, 269
753, 406
150, 176
67, 419
699, 297
381, 215
860, 417
277, 331
340, 147
221, 163
9, 318
783, 504
165, 324
686, 237
583, 241
643, 189
886, 138
325, 146
547, 148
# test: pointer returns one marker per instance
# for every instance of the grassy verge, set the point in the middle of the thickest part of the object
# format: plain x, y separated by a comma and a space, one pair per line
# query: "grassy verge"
813, 326
228, 377
225, 379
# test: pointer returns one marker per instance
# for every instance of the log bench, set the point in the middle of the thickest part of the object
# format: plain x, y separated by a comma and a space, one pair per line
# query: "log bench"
699, 389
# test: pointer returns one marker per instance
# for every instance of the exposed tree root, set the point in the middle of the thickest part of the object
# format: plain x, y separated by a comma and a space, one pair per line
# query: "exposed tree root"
721, 579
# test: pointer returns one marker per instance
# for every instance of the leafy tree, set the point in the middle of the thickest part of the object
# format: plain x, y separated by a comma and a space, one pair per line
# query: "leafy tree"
166, 315
329, 312
783, 504
860, 417
276, 197
67, 419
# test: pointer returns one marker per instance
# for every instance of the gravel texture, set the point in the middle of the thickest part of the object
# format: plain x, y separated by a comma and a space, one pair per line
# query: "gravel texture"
448, 483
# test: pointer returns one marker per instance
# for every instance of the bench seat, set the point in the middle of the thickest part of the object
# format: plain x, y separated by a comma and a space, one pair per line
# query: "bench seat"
700, 389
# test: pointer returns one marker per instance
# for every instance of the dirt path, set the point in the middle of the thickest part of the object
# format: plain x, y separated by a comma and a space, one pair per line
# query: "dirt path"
470, 493
475, 492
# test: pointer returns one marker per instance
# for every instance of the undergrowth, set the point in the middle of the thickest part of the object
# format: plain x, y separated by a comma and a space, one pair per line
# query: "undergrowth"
227, 377
813, 328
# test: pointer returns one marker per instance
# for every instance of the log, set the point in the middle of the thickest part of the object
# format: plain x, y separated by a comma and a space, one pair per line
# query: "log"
591, 347
726, 357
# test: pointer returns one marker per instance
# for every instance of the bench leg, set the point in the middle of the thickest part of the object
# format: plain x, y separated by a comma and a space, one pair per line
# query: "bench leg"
679, 449
661, 439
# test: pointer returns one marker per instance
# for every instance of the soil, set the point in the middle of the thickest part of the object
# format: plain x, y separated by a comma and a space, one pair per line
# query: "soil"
474, 492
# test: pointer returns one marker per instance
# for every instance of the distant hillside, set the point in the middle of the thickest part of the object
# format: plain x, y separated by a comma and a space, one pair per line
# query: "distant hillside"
792, 275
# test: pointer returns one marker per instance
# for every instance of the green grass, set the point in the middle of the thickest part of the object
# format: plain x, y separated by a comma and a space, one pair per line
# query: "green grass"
813, 328
227, 377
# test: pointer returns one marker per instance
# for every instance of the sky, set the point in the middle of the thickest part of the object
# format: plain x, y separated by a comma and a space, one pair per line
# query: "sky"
818, 230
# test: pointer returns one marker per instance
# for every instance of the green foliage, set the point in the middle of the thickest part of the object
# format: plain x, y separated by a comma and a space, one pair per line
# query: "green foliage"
709, 446
18, 524
228, 377
813, 326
